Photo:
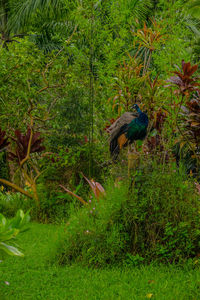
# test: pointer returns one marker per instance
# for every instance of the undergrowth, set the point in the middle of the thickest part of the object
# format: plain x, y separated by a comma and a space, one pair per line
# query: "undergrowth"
158, 219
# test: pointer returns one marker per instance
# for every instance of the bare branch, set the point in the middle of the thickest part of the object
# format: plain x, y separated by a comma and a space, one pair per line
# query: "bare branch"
29, 144
16, 187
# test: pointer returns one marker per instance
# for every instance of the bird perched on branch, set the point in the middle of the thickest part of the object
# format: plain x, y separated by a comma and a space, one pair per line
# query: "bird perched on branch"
127, 129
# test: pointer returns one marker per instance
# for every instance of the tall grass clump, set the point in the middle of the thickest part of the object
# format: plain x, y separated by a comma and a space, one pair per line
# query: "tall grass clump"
156, 219
96, 235
10, 203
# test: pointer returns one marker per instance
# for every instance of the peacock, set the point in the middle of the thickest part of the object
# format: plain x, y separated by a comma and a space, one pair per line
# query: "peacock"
127, 129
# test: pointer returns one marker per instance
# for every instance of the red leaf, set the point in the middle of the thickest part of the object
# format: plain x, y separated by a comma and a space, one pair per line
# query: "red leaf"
3, 141
19, 136
35, 137
23, 141
193, 70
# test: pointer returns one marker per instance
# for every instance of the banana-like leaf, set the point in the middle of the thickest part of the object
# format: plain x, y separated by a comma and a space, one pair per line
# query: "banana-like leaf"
9, 229
20, 220
10, 250
8, 235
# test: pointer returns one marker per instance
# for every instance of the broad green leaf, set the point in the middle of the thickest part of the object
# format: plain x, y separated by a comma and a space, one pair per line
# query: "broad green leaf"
2, 221
10, 250
8, 235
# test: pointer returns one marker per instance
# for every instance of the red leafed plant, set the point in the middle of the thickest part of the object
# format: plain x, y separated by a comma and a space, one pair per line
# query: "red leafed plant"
150, 37
184, 80
96, 187
154, 141
191, 122
159, 119
26, 144
187, 114
3, 141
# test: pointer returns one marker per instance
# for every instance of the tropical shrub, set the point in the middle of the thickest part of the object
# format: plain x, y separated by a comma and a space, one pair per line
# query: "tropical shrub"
187, 114
168, 214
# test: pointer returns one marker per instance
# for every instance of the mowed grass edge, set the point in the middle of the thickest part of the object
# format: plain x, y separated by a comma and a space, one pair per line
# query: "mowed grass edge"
36, 277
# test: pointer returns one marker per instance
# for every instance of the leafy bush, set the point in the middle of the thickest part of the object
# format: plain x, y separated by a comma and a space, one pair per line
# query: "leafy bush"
158, 219
167, 224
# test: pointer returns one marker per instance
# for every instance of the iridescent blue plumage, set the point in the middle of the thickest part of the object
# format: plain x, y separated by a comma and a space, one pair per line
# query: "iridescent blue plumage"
128, 132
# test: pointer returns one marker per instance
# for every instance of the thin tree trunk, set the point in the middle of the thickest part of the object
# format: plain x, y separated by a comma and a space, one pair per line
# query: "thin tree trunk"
5, 33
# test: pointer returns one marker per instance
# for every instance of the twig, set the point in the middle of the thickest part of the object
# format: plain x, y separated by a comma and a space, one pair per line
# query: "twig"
49, 87
69, 192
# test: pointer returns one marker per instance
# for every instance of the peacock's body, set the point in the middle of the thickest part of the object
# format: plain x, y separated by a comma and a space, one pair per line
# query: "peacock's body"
128, 128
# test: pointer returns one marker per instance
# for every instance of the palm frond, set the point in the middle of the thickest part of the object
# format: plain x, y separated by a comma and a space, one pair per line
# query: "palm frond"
140, 8
193, 24
25, 9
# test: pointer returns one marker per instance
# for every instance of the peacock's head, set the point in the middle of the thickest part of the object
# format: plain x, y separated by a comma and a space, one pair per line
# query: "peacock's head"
136, 107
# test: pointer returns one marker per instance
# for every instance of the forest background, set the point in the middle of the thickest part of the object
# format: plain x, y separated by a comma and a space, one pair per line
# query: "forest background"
68, 70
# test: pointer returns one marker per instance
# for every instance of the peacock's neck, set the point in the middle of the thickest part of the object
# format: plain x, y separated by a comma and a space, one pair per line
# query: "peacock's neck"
139, 111
143, 118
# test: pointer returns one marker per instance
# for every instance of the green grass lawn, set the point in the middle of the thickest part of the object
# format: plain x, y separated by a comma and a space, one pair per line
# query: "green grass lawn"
34, 277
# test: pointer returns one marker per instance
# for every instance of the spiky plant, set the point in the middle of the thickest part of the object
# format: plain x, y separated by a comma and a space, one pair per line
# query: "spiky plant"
128, 82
